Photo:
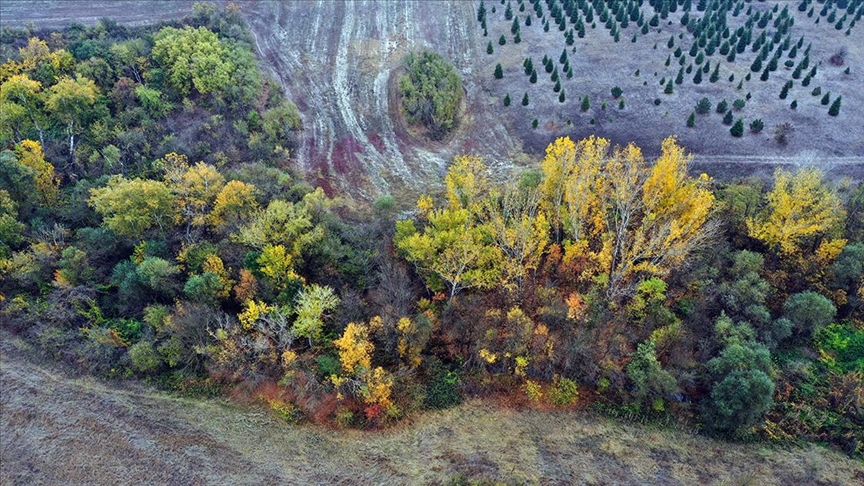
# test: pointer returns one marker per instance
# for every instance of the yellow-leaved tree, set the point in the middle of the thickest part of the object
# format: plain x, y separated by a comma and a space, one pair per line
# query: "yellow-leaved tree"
30, 155
372, 385
622, 219
802, 214
453, 249
802, 223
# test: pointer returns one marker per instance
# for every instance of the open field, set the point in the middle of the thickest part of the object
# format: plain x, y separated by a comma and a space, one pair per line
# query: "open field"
56, 428
336, 61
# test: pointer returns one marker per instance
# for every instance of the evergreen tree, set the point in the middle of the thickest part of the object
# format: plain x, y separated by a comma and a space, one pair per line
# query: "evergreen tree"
525, 99
757, 65
668, 89
533, 78
697, 79
499, 72
784, 92
727, 119
827, 99
716, 74
507, 100
679, 79
737, 129
835, 107
514, 27
586, 103
561, 97
563, 58
765, 74
502, 40
794, 104
489, 49
691, 120
557, 87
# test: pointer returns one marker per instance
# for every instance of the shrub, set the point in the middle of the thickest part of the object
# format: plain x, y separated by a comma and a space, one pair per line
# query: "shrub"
616, 92
144, 358
534, 391
657, 101
563, 392
782, 131
442, 387
816, 91
757, 125
739, 104
431, 93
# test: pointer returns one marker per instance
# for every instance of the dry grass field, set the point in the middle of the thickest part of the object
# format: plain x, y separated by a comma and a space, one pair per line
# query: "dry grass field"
59, 429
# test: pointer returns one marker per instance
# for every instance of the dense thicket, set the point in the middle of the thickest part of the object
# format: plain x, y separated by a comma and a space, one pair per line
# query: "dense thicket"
149, 227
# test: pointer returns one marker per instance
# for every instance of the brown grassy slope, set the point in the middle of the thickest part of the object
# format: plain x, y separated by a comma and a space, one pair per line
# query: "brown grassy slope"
60, 429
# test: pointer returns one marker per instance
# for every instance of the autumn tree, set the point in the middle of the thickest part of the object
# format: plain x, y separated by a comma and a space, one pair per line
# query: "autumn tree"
372, 385
802, 215
21, 100
46, 183
623, 218
195, 188
452, 249
519, 229
131, 207
70, 101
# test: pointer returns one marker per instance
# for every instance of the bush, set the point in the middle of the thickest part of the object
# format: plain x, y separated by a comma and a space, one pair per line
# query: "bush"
144, 358
757, 125
564, 392
431, 93
442, 387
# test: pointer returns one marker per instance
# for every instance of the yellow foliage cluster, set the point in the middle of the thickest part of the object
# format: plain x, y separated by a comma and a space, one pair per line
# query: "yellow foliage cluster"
355, 353
252, 311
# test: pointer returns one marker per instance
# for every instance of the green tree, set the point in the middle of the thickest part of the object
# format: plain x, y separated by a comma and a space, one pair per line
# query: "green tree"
809, 312
737, 129
742, 388
691, 120
586, 103
431, 93
651, 383
835, 107
193, 58
131, 207
525, 99
499, 72
70, 101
